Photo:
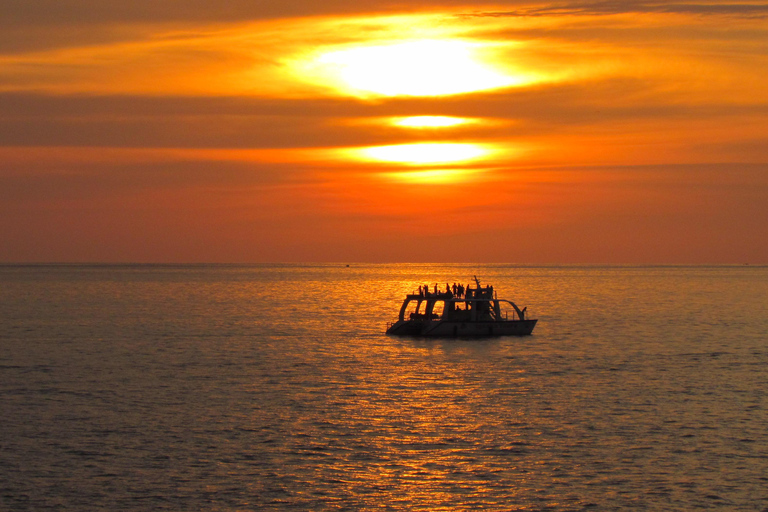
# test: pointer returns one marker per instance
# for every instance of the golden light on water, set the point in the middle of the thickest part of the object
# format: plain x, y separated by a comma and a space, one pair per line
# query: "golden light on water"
431, 121
423, 67
425, 153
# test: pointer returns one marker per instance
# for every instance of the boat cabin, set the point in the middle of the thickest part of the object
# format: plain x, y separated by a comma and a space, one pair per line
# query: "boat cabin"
476, 305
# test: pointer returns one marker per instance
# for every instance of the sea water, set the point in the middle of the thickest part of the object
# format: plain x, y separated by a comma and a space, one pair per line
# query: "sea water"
274, 387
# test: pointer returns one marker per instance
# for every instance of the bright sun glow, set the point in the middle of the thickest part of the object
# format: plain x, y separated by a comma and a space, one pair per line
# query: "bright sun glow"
432, 176
426, 67
428, 153
431, 121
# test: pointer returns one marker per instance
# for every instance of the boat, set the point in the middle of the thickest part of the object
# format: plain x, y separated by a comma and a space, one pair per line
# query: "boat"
457, 312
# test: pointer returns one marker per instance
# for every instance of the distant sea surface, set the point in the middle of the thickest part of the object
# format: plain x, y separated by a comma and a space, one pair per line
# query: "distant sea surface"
274, 387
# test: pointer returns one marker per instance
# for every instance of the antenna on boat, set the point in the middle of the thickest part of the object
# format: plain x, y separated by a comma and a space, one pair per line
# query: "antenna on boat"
477, 281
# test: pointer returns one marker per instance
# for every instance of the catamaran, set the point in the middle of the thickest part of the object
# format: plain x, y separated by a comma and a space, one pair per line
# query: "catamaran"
474, 312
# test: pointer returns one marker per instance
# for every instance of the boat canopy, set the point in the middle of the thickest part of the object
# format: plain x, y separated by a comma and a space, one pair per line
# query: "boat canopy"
473, 309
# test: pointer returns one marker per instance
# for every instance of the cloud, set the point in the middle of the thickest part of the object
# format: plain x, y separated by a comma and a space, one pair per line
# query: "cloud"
167, 133
590, 8
222, 212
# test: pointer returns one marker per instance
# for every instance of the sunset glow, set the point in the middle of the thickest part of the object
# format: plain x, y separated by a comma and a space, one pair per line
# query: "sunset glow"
433, 176
326, 131
428, 153
431, 121
412, 68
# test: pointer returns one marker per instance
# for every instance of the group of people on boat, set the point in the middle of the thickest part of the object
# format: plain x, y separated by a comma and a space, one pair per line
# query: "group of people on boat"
457, 290
459, 311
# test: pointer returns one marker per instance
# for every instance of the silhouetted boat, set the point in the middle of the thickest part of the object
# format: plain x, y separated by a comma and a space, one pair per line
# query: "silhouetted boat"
475, 313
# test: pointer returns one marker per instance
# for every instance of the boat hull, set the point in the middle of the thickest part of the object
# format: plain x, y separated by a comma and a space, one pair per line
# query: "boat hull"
449, 329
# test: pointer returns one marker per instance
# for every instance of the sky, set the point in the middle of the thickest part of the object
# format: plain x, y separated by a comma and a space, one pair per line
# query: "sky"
529, 132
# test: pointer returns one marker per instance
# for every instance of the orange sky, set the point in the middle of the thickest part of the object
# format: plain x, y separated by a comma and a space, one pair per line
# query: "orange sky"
526, 132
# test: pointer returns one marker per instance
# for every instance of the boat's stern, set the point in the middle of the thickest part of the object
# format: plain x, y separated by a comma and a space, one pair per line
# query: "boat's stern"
404, 328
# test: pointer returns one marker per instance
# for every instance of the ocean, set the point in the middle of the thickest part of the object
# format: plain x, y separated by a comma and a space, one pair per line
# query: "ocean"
274, 387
